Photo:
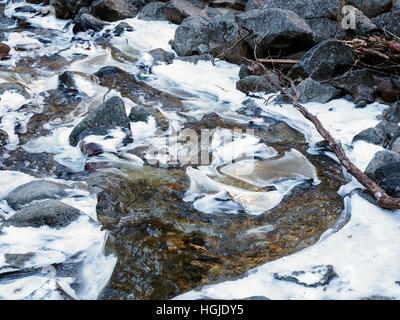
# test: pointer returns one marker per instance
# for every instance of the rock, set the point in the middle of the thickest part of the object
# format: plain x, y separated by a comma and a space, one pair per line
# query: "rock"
15, 87
106, 116
379, 135
313, 91
325, 29
17, 260
396, 5
142, 113
392, 114
325, 275
349, 81
91, 149
244, 71
388, 21
66, 81
276, 29
371, 8
388, 178
254, 4
122, 27
161, 56
88, 22
67, 9
3, 138
363, 96
224, 34
395, 145
326, 60
34, 190
191, 37
255, 84
178, 10
51, 213
113, 10
364, 25
380, 159
388, 90
153, 11
4, 51
25, 9
250, 109
195, 58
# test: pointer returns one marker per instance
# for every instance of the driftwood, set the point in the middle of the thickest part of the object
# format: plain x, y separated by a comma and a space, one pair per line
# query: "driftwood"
382, 198
278, 61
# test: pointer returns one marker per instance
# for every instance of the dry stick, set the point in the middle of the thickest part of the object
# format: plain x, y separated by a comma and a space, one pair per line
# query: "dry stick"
383, 200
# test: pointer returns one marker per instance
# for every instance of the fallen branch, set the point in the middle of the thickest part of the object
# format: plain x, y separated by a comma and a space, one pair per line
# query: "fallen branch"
383, 199
283, 61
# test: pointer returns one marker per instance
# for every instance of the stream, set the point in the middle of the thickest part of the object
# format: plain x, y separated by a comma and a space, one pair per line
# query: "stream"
154, 224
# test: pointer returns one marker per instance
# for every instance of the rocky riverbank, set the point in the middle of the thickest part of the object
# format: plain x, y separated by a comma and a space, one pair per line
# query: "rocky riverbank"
102, 119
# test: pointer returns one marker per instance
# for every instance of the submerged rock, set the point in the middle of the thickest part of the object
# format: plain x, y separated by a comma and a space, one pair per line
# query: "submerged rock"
34, 190
51, 213
161, 56
108, 115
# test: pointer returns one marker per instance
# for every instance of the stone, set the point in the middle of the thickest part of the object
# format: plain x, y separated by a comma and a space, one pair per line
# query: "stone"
113, 10
323, 62
312, 91
142, 113
88, 22
191, 37
371, 8
91, 149
68, 9
349, 81
15, 87
276, 29
122, 27
388, 21
388, 90
392, 114
380, 159
178, 10
363, 96
50, 213
154, 11
161, 56
4, 51
66, 80
379, 135
388, 178
255, 84
34, 190
108, 115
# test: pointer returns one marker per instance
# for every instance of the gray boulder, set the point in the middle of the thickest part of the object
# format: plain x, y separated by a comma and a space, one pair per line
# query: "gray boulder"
87, 22
363, 96
191, 37
392, 114
256, 84
387, 177
326, 60
108, 115
371, 8
51, 213
276, 29
178, 10
379, 135
380, 159
313, 91
154, 11
142, 113
113, 10
349, 81
34, 190
388, 21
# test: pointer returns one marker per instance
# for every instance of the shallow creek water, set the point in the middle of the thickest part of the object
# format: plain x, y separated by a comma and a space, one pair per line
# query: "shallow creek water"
151, 231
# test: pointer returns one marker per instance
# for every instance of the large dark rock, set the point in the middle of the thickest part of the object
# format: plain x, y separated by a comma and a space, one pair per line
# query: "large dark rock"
326, 60
192, 36
108, 115
154, 11
4, 50
255, 84
388, 21
88, 22
113, 10
313, 91
178, 10
67, 9
371, 8
34, 190
276, 29
379, 135
392, 114
51, 213
349, 81
225, 32
381, 159
388, 178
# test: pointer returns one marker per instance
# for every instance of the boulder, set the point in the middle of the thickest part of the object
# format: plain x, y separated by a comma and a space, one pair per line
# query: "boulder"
371, 8
142, 113
113, 10
34, 190
154, 11
363, 96
379, 135
388, 21
122, 27
388, 90
349, 81
388, 178
254, 84
108, 115
91, 149
225, 32
326, 60
276, 29
67, 9
192, 36
50, 213
87, 22
4, 51
392, 114
313, 91
178, 10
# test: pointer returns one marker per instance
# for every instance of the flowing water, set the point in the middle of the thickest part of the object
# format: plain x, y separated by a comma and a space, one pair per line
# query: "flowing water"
154, 228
